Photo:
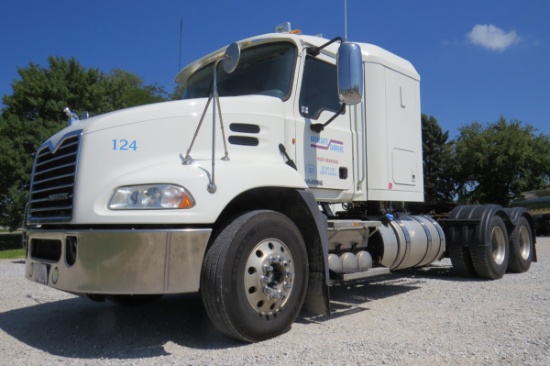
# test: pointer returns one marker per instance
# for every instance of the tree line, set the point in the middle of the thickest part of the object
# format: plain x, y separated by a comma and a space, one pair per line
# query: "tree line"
486, 163
491, 163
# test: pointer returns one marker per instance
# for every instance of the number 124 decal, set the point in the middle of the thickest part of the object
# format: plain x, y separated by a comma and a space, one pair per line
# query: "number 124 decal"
124, 145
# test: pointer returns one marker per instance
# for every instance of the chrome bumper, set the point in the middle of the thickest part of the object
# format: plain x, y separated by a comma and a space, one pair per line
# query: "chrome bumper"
117, 262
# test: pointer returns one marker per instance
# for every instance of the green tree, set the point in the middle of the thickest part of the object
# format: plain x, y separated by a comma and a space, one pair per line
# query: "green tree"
34, 111
42, 93
135, 92
496, 162
438, 184
18, 143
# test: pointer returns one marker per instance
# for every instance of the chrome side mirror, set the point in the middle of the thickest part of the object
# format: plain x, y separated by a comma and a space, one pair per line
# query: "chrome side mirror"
350, 73
231, 58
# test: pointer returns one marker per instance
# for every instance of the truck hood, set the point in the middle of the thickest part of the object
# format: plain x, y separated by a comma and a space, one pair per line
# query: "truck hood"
183, 109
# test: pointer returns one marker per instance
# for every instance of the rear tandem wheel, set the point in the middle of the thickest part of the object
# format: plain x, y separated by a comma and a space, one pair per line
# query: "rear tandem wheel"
478, 240
521, 247
490, 258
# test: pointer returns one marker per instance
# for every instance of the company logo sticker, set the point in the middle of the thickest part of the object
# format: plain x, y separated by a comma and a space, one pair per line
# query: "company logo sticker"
324, 143
311, 169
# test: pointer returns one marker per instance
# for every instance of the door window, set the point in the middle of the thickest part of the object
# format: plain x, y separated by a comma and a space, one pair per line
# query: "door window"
319, 89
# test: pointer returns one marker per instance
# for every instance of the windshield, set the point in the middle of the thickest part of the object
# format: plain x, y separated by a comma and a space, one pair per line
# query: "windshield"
266, 69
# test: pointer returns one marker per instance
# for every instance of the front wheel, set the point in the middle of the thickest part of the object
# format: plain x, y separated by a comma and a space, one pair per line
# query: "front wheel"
254, 276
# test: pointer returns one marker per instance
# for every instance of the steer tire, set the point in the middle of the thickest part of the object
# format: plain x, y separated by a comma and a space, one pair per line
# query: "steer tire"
254, 276
521, 247
490, 257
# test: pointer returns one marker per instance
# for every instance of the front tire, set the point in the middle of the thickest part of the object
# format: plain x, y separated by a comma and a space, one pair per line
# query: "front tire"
254, 276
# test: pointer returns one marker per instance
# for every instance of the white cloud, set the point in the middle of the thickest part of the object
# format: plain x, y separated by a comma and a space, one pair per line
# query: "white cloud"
491, 37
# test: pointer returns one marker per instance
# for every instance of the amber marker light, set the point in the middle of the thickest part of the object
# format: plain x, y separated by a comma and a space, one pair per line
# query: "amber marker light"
186, 201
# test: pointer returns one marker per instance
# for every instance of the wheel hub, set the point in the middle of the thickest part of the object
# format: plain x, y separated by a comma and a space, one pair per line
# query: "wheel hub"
498, 243
524, 243
269, 276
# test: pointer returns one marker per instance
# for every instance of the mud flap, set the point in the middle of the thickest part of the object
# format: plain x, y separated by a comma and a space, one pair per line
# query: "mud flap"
317, 299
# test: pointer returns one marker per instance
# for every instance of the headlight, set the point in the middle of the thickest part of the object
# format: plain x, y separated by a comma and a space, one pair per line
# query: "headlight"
151, 196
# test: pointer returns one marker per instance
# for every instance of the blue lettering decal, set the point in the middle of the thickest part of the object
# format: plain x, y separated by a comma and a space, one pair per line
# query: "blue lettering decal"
124, 145
311, 169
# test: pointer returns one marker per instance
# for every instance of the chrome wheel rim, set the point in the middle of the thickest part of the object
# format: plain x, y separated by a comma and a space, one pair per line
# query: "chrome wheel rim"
524, 243
498, 245
269, 276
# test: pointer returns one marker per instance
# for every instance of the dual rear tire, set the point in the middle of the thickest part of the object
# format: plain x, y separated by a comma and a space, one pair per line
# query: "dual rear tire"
490, 250
491, 259
521, 247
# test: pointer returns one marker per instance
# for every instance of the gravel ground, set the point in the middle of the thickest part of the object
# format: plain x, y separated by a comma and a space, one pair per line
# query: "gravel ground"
415, 317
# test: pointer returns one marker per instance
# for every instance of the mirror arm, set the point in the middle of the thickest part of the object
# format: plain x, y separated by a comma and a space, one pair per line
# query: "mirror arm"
316, 50
318, 127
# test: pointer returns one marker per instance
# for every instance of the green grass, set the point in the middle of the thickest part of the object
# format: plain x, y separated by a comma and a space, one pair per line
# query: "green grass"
10, 246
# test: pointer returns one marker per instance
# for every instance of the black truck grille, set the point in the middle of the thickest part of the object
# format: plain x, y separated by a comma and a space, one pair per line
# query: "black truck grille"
52, 187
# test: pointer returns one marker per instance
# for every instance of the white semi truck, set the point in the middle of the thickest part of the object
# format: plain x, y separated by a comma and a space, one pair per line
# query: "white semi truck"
269, 182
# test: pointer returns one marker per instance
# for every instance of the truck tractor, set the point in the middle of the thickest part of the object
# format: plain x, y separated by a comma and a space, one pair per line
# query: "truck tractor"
270, 181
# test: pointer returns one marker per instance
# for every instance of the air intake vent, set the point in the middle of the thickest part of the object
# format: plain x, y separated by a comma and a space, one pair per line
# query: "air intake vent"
51, 196
243, 140
244, 128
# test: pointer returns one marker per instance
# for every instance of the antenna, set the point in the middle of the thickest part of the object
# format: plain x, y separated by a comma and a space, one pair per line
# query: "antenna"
345, 20
181, 34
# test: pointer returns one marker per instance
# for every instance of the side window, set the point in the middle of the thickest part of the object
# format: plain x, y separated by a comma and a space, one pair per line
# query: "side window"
319, 89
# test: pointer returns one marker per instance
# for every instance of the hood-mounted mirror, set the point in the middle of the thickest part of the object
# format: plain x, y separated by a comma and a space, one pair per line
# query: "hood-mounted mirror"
229, 60
231, 57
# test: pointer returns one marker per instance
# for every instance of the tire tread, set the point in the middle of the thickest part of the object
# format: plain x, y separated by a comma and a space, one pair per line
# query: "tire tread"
221, 257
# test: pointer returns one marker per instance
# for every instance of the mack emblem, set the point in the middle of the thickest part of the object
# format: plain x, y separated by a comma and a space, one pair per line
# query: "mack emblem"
58, 196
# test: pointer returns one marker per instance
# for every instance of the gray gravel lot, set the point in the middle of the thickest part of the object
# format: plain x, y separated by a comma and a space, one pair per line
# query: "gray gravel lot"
424, 316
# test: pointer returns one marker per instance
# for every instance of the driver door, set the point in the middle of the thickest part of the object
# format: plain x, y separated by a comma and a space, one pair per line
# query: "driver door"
323, 158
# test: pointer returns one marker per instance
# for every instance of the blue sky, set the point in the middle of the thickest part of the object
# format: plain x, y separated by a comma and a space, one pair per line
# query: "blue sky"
478, 59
